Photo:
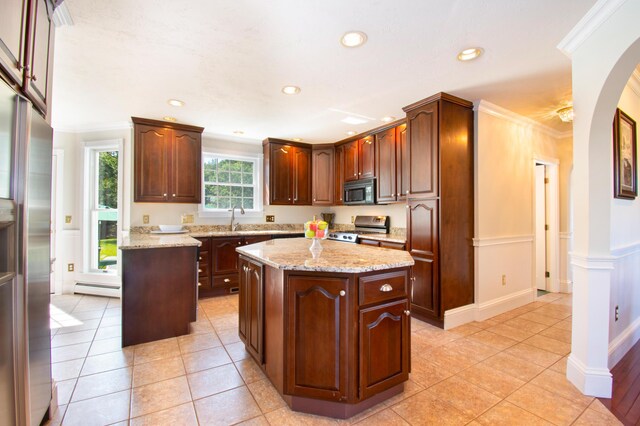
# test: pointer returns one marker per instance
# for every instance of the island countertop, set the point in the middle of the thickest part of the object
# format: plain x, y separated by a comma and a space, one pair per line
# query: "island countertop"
147, 241
336, 256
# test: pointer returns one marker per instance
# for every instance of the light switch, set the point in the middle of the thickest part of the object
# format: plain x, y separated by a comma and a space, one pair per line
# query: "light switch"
271, 218
145, 219
67, 219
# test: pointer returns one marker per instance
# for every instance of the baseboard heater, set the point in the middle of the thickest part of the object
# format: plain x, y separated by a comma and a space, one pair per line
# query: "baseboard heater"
97, 289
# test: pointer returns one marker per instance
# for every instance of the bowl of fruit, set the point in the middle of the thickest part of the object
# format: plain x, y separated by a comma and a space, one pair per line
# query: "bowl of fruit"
316, 230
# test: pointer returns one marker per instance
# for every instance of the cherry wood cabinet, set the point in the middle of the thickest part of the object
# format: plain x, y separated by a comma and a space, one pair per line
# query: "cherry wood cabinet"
26, 48
167, 162
287, 172
351, 165
385, 170
339, 175
402, 163
366, 158
439, 146
383, 244
251, 322
323, 180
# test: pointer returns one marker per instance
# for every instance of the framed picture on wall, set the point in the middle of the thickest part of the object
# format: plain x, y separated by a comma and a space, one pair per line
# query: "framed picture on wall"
625, 169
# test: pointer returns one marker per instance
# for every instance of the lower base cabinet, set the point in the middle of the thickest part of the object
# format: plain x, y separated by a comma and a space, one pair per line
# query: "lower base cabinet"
251, 321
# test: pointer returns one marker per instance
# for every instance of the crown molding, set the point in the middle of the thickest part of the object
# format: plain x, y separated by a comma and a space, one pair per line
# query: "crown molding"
62, 15
500, 112
123, 125
596, 16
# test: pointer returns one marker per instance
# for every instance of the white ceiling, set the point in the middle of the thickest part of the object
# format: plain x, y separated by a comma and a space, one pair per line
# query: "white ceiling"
228, 60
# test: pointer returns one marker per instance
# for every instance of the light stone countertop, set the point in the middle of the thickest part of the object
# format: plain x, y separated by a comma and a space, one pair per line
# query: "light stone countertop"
335, 256
147, 241
204, 234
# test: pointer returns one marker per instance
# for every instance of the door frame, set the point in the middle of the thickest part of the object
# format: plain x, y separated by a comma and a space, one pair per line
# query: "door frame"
57, 193
552, 198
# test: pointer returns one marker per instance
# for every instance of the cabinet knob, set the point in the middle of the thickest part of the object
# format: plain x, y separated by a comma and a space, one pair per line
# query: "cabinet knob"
386, 288
239, 242
355, 174
174, 195
342, 293
407, 312
359, 173
413, 278
289, 199
164, 195
199, 284
227, 280
33, 77
199, 270
407, 192
199, 257
314, 200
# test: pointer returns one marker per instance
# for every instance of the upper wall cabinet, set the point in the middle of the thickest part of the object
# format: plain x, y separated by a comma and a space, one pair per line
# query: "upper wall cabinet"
287, 173
323, 179
359, 159
167, 162
26, 48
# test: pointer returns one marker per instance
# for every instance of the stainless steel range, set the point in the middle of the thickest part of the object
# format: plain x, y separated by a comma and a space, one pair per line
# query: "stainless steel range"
363, 225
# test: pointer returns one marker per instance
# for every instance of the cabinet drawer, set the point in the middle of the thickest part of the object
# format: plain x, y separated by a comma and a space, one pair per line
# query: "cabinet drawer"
206, 244
381, 287
204, 283
390, 245
204, 270
204, 258
225, 280
373, 243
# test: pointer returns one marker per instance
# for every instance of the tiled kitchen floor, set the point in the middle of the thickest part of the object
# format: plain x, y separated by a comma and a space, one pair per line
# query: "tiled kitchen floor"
509, 369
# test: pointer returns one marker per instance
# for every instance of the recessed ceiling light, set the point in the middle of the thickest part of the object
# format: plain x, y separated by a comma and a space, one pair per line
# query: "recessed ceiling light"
353, 39
290, 90
469, 54
169, 118
354, 120
175, 102
388, 119
238, 132
351, 133
297, 139
566, 114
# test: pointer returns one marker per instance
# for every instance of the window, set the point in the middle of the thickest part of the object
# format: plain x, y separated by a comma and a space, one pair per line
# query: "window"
230, 181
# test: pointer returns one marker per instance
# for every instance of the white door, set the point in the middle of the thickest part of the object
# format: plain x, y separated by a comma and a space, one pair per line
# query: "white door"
540, 232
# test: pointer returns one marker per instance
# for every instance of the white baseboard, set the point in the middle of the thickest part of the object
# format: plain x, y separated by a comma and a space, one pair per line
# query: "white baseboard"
503, 304
97, 290
566, 286
625, 341
459, 316
596, 382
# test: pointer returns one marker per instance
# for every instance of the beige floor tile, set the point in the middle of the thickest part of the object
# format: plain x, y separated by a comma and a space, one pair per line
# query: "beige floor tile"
558, 384
510, 332
154, 351
109, 361
472, 350
416, 324
507, 414
113, 312
595, 418
448, 359
534, 355
410, 388
465, 396
102, 384
465, 329
386, 417
204, 360
548, 344
111, 321
513, 366
200, 328
256, 421
560, 366
68, 353
99, 347
249, 371
491, 339
558, 312
181, 415
66, 370
90, 324
108, 332
99, 411
228, 407
564, 324
237, 351
198, 342
523, 324
545, 404
65, 390
492, 380
285, 417
599, 406
540, 318
229, 335
427, 374
72, 338
215, 380
437, 337
425, 408
159, 396
225, 321
266, 395
557, 334
88, 315
56, 418
157, 371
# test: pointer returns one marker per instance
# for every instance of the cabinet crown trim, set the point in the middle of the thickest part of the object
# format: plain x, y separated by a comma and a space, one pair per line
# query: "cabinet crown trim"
439, 97
166, 124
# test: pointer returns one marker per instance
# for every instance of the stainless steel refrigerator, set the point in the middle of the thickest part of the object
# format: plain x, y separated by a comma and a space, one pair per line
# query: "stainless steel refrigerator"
25, 214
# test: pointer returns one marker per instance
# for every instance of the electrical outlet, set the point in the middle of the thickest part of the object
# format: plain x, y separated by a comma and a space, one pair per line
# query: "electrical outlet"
70, 267
145, 219
187, 218
353, 219
504, 280
271, 218
67, 219
617, 314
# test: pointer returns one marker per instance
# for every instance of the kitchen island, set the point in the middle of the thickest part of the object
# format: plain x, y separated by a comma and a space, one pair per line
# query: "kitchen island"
330, 328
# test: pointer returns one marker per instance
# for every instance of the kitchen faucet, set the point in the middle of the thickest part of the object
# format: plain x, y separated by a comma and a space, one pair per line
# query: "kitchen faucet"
234, 226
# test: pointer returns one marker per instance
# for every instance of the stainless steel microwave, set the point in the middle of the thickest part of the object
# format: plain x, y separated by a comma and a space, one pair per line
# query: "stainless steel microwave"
360, 192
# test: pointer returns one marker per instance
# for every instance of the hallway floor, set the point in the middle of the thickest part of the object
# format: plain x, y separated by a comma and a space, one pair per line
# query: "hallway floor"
507, 370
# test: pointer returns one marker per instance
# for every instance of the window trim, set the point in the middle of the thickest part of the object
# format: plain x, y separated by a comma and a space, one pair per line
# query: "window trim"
258, 211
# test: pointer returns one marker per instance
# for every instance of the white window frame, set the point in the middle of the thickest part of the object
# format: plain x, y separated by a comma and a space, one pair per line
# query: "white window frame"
258, 210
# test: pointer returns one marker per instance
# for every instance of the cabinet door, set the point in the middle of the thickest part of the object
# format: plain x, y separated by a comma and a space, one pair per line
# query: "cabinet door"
351, 161
254, 310
243, 296
422, 134
302, 176
422, 240
280, 169
151, 163
39, 54
13, 30
384, 347
316, 319
339, 175
385, 145
322, 169
402, 163
224, 257
186, 166
366, 158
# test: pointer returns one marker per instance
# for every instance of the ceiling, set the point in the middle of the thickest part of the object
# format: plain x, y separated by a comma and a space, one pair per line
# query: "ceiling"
228, 61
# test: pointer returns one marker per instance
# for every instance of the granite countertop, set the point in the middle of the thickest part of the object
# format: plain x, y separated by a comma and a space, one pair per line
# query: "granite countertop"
390, 238
336, 256
147, 241
203, 234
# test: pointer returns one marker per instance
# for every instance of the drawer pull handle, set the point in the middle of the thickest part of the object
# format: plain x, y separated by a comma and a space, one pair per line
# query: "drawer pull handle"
199, 257
199, 270
407, 313
386, 288
227, 280
342, 293
199, 284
